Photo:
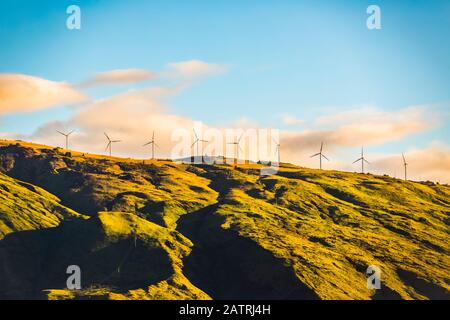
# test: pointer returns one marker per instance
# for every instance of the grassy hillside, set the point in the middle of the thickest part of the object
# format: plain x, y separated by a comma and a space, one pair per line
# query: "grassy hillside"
121, 257
24, 206
159, 191
214, 231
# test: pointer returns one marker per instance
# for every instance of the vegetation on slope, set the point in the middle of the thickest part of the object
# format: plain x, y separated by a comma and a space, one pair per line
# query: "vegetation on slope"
24, 206
329, 226
214, 231
159, 191
120, 255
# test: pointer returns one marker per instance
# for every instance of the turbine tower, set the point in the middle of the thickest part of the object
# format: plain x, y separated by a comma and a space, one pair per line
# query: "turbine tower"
236, 143
362, 159
110, 142
67, 137
405, 164
153, 143
196, 141
278, 145
320, 154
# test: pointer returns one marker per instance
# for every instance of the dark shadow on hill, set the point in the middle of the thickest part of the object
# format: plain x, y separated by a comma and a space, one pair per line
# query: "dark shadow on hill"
222, 180
386, 293
344, 196
228, 266
31, 261
422, 286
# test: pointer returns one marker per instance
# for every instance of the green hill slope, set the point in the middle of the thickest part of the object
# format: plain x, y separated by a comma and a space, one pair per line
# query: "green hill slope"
119, 254
24, 206
213, 231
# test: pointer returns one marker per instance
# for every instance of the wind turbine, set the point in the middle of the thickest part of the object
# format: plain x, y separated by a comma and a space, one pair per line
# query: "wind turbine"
236, 143
278, 145
110, 142
320, 154
405, 164
67, 137
153, 143
362, 159
196, 141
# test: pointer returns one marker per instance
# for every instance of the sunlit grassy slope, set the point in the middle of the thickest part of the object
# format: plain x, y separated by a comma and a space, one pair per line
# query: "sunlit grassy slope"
160, 230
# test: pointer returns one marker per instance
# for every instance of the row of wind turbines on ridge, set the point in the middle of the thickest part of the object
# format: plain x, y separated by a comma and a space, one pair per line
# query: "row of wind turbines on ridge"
152, 143
362, 159
110, 142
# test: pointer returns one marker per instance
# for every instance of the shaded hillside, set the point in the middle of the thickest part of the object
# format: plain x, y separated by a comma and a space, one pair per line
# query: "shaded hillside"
117, 253
211, 231
24, 206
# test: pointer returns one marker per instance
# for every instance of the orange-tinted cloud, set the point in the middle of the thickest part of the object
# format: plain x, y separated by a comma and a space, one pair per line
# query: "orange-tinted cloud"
133, 116
130, 117
194, 68
430, 163
360, 127
21, 93
350, 130
117, 77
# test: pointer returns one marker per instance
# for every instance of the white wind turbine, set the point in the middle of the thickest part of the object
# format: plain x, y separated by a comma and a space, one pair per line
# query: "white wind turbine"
110, 142
236, 143
196, 142
66, 135
321, 155
362, 159
153, 144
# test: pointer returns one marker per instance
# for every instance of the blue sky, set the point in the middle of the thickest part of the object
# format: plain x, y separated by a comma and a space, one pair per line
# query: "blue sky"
303, 58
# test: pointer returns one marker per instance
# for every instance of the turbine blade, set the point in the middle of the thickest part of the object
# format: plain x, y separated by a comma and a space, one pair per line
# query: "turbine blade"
325, 157
195, 133
314, 155
357, 160
275, 142
366, 161
71, 132
106, 136
61, 132
239, 140
321, 147
193, 143
156, 145
107, 146
116, 141
147, 143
